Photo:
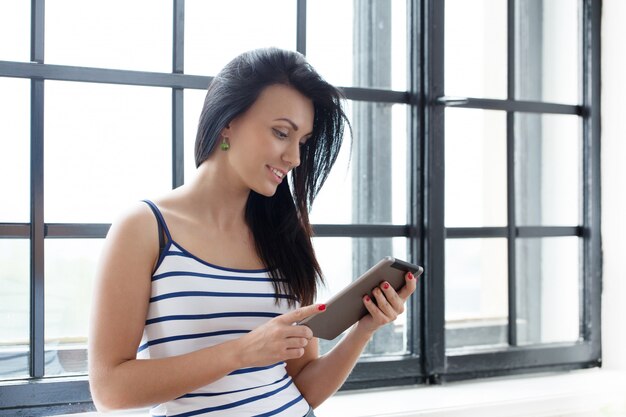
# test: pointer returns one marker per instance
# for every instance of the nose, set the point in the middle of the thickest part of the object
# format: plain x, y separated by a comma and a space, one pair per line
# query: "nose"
292, 155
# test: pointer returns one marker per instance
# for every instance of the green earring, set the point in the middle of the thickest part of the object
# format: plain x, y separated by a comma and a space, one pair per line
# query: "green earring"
224, 145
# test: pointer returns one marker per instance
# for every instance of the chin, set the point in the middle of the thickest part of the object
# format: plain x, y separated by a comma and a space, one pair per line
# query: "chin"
266, 192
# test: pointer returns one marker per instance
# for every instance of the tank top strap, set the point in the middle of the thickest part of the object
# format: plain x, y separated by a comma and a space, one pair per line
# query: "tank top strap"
160, 220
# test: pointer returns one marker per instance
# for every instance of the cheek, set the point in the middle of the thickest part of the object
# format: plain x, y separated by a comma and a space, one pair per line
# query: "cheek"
249, 160
266, 149
256, 150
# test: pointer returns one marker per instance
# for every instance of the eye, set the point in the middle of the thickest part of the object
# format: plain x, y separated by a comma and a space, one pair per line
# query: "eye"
280, 134
305, 141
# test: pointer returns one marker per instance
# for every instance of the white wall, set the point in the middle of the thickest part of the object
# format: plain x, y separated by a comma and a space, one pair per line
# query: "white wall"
614, 183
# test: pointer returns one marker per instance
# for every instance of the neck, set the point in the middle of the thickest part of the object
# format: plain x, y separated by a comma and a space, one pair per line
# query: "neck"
215, 197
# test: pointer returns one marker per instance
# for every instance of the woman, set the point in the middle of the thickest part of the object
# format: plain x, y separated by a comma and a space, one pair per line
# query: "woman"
197, 292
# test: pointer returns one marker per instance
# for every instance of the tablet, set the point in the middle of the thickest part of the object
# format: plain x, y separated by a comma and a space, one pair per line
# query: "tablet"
346, 307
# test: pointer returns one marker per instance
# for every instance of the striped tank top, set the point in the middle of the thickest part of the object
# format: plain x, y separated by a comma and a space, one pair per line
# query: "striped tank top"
194, 305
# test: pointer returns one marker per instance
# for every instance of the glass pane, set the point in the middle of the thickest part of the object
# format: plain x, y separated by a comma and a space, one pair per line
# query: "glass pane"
548, 59
476, 291
371, 53
548, 290
15, 25
368, 185
194, 99
475, 48
548, 169
110, 34
14, 308
475, 161
343, 260
216, 32
15, 150
107, 146
70, 268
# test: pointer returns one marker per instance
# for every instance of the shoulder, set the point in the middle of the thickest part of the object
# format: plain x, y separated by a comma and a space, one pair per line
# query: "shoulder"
134, 234
137, 219
131, 247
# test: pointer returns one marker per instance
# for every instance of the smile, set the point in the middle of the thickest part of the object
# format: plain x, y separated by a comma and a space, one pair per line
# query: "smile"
277, 173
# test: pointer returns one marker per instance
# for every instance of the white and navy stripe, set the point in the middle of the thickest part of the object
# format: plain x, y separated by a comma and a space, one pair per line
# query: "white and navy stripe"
194, 305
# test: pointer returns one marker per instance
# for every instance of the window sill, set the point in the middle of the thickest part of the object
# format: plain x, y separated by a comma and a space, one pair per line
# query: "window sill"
584, 393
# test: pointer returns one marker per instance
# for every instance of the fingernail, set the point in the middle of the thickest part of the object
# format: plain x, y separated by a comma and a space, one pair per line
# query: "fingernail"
411, 276
367, 298
321, 307
386, 285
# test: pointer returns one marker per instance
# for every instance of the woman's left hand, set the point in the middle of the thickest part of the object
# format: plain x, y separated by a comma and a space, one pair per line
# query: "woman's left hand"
334, 367
388, 306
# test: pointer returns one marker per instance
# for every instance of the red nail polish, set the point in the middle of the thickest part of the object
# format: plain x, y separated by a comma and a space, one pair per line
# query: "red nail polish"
321, 307
367, 298
411, 276
386, 285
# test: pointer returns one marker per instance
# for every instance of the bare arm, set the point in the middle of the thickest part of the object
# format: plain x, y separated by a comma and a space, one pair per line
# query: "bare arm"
318, 378
120, 303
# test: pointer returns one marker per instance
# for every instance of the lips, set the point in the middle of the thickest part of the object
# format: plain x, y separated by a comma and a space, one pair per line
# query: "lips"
278, 174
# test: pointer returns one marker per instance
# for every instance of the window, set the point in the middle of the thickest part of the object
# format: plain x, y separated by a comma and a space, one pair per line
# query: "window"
513, 207
475, 153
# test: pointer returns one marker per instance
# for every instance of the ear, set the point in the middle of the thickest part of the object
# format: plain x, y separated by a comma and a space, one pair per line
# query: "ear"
226, 130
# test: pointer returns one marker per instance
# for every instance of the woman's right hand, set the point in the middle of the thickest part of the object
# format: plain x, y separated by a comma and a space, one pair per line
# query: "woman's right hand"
280, 339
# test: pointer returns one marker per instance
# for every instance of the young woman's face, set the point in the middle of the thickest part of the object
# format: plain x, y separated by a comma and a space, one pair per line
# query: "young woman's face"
265, 140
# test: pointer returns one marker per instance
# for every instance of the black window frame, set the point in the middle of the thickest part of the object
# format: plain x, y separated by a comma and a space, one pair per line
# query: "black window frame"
427, 360
451, 366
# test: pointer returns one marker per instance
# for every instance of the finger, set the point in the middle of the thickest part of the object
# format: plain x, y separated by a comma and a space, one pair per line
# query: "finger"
301, 313
409, 286
299, 330
294, 353
383, 304
296, 342
373, 309
392, 297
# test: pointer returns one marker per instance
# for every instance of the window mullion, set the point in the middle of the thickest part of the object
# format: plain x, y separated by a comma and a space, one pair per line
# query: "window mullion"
592, 264
37, 230
433, 329
301, 27
510, 167
178, 62
511, 230
415, 128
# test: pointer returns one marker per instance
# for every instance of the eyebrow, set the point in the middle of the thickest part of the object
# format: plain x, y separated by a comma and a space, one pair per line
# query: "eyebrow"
284, 119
